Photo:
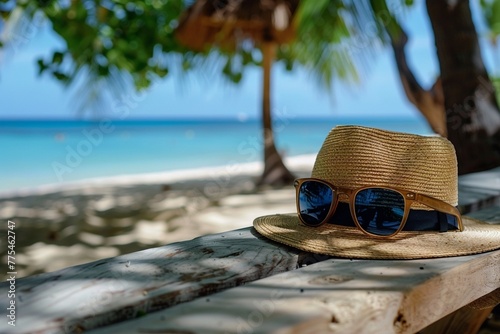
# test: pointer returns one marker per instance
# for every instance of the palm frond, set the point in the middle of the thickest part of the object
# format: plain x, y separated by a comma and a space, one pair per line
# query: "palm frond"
336, 38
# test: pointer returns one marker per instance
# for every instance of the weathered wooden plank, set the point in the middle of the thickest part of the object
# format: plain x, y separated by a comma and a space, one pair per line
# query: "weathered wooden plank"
111, 290
338, 296
471, 199
479, 190
464, 320
489, 179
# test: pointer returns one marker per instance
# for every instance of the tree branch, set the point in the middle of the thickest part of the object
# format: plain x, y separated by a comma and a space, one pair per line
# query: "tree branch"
429, 102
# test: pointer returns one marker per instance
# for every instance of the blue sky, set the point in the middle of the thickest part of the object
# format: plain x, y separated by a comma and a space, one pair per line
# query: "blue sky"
25, 95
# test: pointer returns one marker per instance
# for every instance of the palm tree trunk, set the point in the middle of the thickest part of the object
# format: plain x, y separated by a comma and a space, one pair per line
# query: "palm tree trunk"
275, 171
472, 112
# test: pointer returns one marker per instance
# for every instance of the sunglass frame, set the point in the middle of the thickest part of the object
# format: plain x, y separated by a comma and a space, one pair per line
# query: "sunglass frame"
409, 198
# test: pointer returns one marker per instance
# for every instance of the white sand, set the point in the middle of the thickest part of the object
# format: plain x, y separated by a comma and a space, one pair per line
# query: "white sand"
63, 225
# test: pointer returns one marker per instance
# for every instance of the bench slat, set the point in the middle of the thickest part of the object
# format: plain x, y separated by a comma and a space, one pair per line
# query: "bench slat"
479, 190
120, 288
342, 296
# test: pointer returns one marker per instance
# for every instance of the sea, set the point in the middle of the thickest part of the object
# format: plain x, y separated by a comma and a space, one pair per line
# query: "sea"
41, 152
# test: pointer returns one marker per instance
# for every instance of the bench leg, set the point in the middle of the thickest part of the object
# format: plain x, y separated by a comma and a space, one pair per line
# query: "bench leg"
464, 320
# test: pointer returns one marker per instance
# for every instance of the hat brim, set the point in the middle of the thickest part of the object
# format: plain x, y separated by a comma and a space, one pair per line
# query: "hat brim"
349, 242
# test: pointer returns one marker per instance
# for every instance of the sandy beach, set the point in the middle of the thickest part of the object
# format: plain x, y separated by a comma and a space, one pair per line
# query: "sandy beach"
63, 225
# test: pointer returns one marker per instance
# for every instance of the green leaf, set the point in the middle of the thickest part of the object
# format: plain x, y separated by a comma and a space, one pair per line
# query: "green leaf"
496, 83
103, 71
61, 76
491, 14
41, 66
385, 17
236, 77
227, 68
57, 57
161, 72
186, 65
495, 17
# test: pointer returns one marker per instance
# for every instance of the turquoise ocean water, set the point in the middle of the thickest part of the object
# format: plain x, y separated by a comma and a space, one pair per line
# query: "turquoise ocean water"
39, 152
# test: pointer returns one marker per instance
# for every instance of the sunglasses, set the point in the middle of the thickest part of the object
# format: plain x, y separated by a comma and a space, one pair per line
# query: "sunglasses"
377, 211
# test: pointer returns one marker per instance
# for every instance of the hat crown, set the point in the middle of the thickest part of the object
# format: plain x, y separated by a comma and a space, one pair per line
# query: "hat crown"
356, 156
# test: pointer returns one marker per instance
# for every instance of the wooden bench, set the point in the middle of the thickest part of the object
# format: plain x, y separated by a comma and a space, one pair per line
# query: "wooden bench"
240, 282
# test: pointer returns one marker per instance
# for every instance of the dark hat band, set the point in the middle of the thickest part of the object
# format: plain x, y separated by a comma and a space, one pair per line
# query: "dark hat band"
418, 220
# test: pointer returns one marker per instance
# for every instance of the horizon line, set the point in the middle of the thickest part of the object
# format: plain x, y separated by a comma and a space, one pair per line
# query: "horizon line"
206, 118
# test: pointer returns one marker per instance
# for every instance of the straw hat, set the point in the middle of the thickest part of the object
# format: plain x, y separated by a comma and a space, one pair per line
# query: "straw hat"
353, 157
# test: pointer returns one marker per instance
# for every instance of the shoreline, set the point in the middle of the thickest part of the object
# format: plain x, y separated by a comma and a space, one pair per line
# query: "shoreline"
173, 176
64, 225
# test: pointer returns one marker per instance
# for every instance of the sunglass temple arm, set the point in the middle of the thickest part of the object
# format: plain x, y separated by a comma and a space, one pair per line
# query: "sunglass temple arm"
440, 206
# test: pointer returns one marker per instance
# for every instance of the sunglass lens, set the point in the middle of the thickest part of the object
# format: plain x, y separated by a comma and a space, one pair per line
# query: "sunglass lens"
379, 211
315, 199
